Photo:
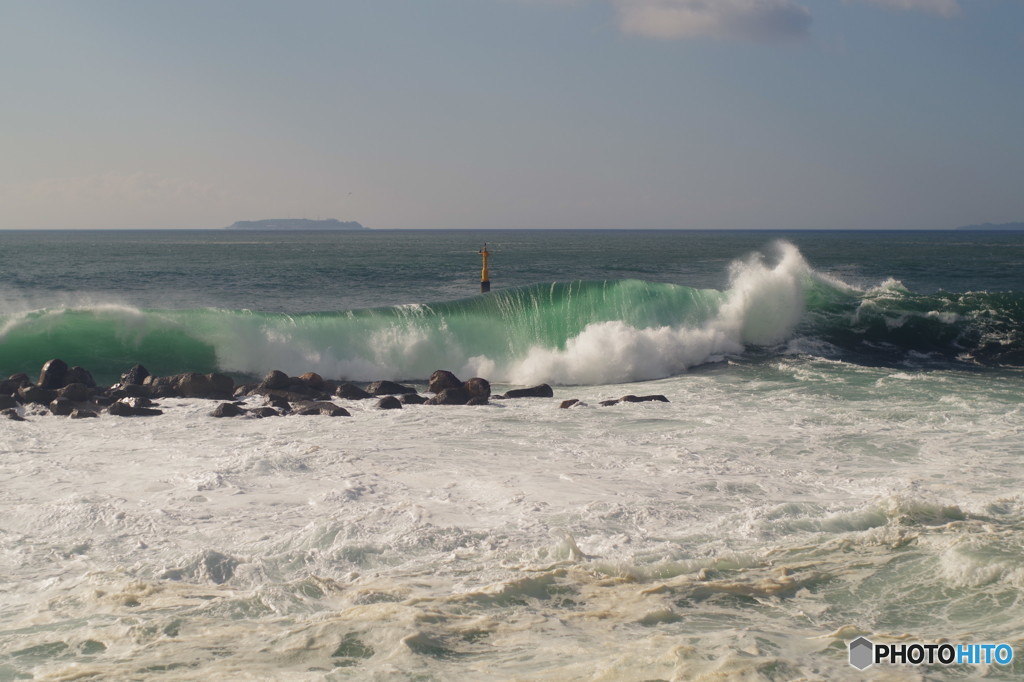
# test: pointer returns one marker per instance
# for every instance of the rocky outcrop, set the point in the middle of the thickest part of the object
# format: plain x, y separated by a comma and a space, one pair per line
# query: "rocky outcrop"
542, 391
192, 385
379, 388
478, 388
135, 376
52, 374
351, 392
442, 379
451, 396
389, 402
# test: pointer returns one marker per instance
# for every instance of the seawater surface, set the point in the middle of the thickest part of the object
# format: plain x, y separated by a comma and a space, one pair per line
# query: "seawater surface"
839, 457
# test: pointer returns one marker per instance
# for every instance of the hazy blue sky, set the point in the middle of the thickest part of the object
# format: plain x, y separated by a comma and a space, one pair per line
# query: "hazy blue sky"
512, 113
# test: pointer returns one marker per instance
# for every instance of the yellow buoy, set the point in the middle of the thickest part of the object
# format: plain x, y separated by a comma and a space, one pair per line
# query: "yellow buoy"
485, 278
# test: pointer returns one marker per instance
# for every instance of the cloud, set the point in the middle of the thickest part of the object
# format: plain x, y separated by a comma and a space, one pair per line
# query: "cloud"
751, 20
946, 8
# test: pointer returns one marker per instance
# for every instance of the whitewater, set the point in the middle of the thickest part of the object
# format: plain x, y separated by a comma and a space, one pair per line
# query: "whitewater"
839, 457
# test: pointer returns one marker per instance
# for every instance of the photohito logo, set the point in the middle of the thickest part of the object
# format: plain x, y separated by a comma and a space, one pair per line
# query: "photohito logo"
864, 653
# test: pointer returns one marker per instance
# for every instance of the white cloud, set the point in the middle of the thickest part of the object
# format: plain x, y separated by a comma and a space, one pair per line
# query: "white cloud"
946, 8
754, 20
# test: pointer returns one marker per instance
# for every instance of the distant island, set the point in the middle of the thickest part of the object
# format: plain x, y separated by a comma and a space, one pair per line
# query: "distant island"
295, 224
993, 226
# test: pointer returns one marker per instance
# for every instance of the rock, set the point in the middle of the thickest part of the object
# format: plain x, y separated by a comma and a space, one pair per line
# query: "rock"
52, 374
451, 396
566, 404
123, 409
412, 399
278, 401
228, 410
78, 375
388, 388
134, 376
76, 392
275, 380
351, 392
478, 400
130, 391
13, 415
609, 403
36, 395
244, 390
442, 379
478, 387
103, 400
313, 380
542, 391
389, 402
643, 399
138, 401
261, 412
16, 381
83, 414
192, 385
324, 408
7, 402
61, 407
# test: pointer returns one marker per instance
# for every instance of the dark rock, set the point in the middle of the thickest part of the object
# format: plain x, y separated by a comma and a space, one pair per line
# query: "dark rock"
388, 388
78, 393
130, 391
52, 374
389, 402
278, 401
134, 376
609, 403
412, 399
83, 414
351, 392
192, 385
123, 409
19, 380
643, 399
261, 412
313, 380
7, 402
477, 400
13, 415
542, 391
275, 380
478, 388
36, 395
228, 410
138, 401
103, 400
442, 379
566, 404
244, 390
325, 408
61, 407
451, 396
79, 375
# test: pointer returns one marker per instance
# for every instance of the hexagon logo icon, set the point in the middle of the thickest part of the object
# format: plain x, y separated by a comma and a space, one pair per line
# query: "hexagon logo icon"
862, 653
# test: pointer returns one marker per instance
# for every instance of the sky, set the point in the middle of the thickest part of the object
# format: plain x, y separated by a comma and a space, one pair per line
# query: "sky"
400, 114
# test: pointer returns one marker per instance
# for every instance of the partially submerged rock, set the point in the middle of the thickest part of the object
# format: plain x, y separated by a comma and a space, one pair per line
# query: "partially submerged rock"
542, 391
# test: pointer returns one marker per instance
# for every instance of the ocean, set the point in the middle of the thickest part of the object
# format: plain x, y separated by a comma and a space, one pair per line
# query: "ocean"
838, 457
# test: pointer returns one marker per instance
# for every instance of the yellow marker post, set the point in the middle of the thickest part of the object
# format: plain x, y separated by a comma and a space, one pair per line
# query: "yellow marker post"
485, 278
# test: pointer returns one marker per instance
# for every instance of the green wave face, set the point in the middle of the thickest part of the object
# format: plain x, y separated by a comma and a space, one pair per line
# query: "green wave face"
564, 332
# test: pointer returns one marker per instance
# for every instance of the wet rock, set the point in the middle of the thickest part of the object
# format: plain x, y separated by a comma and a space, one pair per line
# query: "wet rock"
83, 414
313, 380
52, 374
130, 391
451, 396
442, 379
61, 407
124, 409
635, 399
351, 392
278, 401
261, 412
36, 395
212, 386
388, 388
75, 392
79, 375
228, 410
412, 399
217, 567
322, 408
275, 380
478, 400
7, 402
13, 415
542, 391
134, 376
566, 404
478, 388
14, 382
389, 402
